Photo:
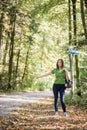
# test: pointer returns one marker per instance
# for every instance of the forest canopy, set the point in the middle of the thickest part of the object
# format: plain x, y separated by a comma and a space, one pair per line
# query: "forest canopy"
34, 34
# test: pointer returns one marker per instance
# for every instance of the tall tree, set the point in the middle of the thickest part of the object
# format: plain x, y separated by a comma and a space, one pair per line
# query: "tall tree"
27, 56
6, 48
75, 41
17, 65
11, 50
70, 20
70, 40
3, 7
83, 4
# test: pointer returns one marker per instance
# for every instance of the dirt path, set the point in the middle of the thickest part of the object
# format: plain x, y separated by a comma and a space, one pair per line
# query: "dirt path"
40, 116
13, 101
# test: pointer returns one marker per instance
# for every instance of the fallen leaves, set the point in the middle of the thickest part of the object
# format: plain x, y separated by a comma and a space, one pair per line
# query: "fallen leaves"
40, 116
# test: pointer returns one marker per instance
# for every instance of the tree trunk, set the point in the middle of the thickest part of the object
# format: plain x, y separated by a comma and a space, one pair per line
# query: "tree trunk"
25, 64
70, 31
42, 51
1, 32
74, 22
3, 7
6, 49
83, 17
1, 26
17, 65
86, 4
75, 41
70, 26
70, 43
11, 51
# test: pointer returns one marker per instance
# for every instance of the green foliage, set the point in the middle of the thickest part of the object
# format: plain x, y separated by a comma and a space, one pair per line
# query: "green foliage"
40, 85
44, 7
41, 37
76, 100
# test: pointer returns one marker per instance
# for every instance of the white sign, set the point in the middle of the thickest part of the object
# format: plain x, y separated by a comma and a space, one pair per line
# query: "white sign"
73, 50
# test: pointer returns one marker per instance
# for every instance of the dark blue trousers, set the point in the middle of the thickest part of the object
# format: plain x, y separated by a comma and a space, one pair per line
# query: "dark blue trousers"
59, 88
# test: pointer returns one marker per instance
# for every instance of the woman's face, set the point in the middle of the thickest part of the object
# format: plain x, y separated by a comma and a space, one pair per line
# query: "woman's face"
60, 64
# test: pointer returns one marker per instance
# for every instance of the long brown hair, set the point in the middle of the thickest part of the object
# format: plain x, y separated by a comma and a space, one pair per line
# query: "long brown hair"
61, 61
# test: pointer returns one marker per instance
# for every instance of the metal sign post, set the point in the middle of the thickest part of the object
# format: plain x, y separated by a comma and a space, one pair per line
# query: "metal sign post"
72, 73
72, 50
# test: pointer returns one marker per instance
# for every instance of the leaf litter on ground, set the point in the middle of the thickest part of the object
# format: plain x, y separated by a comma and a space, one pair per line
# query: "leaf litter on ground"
41, 116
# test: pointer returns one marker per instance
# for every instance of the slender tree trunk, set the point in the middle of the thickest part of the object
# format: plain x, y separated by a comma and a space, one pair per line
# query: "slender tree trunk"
1, 26
86, 13
83, 17
25, 63
42, 51
70, 42
75, 41
6, 49
3, 7
86, 5
1, 33
70, 25
11, 51
74, 22
77, 71
17, 65
70, 31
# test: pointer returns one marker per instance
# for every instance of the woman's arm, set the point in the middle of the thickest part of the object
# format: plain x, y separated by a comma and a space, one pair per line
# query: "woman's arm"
47, 74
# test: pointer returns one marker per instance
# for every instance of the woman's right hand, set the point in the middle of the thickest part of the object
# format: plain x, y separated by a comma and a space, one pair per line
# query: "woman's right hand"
47, 74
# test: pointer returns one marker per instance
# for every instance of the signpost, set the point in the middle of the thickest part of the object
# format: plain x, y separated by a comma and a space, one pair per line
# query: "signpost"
72, 50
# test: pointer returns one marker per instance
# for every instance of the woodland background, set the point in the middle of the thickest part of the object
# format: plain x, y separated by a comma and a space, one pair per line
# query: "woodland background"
34, 34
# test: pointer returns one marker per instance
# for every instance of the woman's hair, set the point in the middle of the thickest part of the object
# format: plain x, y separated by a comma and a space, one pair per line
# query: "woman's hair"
61, 61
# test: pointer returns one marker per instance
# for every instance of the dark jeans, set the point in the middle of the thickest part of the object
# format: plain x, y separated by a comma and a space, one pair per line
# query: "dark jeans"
61, 89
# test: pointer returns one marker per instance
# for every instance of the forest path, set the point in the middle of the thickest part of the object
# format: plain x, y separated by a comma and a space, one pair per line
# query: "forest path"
39, 115
14, 100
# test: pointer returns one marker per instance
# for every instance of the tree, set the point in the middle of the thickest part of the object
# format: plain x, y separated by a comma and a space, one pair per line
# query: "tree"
46, 22
11, 49
83, 4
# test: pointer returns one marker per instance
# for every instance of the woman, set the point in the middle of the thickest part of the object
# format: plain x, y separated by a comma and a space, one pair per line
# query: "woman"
59, 84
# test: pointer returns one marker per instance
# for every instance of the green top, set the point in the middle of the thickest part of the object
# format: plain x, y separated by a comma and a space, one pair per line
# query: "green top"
59, 76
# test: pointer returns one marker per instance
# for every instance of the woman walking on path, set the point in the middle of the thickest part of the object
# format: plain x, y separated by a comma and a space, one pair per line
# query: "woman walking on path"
59, 84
